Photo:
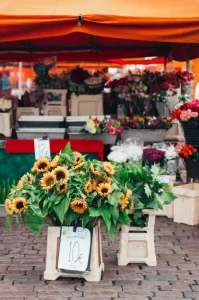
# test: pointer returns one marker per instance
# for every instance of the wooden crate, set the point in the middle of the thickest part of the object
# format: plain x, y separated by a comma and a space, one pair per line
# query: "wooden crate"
87, 105
54, 110
175, 133
55, 96
186, 206
137, 244
27, 111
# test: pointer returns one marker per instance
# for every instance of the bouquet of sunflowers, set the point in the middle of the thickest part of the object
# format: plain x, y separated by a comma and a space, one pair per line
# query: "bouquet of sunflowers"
68, 190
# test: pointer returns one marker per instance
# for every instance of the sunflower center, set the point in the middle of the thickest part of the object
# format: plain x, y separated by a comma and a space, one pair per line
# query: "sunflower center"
19, 205
50, 181
42, 165
104, 190
60, 175
80, 205
62, 186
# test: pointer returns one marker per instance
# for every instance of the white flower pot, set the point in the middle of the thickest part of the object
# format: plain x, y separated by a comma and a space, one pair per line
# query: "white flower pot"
96, 263
186, 206
147, 135
137, 243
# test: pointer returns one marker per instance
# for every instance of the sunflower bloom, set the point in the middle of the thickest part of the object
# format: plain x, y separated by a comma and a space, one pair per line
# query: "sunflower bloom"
54, 162
19, 205
104, 189
128, 193
109, 168
88, 187
131, 206
48, 181
78, 166
20, 184
123, 202
96, 182
8, 207
62, 187
79, 206
42, 165
94, 171
77, 158
61, 174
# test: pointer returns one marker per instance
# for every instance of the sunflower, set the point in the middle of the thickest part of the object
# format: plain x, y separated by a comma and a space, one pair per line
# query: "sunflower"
62, 187
88, 187
42, 165
48, 181
20, 184
8, 207
128, 193
131, 206
79, 206
77, 158
19, 205
123, 202
95, 171
96, 182
61, 174
104, 189
78, 166
54, 162
109, 168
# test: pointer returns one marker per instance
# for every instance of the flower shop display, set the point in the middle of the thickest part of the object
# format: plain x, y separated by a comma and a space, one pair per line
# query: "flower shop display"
188, 115
69, 191
149, 129
186, 206
190, 156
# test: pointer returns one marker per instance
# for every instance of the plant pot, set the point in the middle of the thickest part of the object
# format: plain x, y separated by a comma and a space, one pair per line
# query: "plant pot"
106, 138
192, 168
147, 135
162, 109
191, 133
186, 206
96, 263
137, 243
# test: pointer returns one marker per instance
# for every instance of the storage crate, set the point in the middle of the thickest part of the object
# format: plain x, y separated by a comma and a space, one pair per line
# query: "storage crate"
55, 96
54, 110
186, 206
86, 105
27, 111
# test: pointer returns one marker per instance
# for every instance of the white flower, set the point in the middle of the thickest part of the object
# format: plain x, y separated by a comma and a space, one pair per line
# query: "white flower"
117, 156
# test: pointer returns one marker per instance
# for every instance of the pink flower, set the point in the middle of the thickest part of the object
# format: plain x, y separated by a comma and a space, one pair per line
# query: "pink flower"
119, 130
109, 124
179, 147
112, 130
194, 114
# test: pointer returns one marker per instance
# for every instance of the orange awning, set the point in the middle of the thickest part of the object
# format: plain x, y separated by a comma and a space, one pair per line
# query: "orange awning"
37, 26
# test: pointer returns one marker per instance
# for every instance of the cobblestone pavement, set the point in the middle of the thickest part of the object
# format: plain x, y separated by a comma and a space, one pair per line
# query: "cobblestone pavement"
22, 263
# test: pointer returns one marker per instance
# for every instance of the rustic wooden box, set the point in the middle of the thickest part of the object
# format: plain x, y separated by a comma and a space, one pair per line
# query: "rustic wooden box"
87, 105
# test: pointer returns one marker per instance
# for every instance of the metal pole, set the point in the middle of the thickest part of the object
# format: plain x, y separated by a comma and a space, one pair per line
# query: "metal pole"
165, 63
188, 57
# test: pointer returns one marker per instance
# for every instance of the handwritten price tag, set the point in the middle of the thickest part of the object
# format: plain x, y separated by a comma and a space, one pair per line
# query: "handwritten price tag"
74, 251
42, 148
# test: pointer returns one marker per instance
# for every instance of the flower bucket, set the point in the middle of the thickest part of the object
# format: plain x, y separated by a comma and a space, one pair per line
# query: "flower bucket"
147, 135
106, 138
96, 263
137, 243
192, 168
191, 132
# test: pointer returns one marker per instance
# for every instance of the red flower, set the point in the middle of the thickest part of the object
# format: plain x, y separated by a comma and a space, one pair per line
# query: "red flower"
96, 121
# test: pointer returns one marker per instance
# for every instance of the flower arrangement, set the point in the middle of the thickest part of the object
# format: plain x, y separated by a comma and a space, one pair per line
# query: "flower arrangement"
69, 190
111, 126
5, 104
148, 122
187, 151
153, 156
187, 113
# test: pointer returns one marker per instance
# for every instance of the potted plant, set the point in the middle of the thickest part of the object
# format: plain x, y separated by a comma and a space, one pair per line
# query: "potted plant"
149, 129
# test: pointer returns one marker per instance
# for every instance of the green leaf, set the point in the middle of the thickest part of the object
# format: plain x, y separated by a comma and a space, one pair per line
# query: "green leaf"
106, 216
71, 216
95, 212
115, 186
153, 205
112, 231
159, 201
147, 190
167, 198
124, 218
67, 149
61, 208
115, 213
46, 206
33, 221
85, 218
114, 197
155, 170
36, 210
9, 221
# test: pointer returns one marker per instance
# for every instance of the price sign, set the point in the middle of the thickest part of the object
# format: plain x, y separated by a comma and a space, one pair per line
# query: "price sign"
74, 251
42, 148
164, 178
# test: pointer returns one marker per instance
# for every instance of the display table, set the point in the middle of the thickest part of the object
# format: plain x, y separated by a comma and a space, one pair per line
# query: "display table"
18, 156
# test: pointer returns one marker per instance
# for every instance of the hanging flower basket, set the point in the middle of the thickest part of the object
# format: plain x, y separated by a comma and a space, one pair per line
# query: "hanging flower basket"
191, 132
192, 168
147, 135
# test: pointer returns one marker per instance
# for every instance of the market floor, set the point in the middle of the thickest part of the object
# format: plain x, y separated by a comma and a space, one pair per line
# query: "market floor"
22, 263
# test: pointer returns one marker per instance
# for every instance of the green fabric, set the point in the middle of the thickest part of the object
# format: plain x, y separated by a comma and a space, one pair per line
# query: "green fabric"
14, 166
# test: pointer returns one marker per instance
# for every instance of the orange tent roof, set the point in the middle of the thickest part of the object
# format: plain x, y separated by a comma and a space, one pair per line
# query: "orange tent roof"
53, 23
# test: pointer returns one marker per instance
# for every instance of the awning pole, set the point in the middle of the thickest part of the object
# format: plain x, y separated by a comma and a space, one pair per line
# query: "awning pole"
188, 57
165, 63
